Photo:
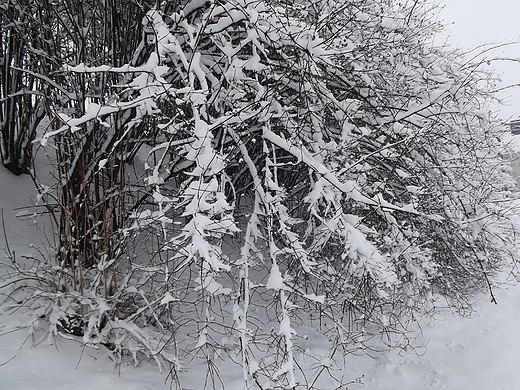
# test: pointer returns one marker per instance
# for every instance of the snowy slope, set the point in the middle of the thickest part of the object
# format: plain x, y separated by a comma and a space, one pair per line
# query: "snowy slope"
482, 352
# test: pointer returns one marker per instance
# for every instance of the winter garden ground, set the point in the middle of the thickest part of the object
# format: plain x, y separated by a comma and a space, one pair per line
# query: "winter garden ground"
482, 352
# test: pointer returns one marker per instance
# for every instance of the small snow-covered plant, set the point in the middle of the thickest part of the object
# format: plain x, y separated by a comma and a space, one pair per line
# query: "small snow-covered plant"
304, 165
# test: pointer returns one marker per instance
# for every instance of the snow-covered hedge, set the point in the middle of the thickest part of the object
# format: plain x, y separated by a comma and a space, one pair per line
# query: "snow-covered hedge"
296, 164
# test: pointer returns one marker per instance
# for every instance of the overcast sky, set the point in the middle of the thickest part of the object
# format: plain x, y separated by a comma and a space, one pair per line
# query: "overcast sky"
475, 22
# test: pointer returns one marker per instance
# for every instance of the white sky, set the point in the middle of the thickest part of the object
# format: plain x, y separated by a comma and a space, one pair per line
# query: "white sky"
476, 22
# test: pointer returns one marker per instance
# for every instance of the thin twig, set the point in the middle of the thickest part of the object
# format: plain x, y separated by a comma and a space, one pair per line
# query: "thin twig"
10, 254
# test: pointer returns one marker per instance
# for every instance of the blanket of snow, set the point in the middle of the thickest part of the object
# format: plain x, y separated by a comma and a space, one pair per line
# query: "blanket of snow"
482, 352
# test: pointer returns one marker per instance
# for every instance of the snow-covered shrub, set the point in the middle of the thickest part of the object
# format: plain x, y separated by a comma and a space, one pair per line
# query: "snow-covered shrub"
22, 95
305, 164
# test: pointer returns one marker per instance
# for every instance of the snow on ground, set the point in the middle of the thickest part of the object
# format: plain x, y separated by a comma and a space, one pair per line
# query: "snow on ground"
482, 352
478, 353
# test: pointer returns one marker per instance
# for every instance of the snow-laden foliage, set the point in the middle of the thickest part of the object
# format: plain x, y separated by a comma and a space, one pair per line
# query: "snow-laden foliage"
307, 162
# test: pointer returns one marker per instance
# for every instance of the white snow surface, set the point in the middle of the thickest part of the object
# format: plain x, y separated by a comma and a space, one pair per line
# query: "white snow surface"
482, 352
